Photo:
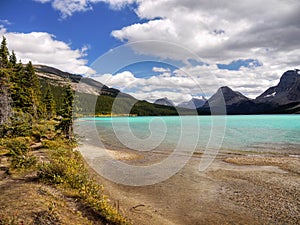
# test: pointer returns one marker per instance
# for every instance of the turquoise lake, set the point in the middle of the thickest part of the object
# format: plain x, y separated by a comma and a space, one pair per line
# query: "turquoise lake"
247, 132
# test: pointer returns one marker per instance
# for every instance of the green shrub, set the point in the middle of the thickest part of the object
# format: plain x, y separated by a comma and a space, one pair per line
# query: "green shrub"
42, 130
17, 146
19, 152
65, 171
23, 162
59, 147
20, 125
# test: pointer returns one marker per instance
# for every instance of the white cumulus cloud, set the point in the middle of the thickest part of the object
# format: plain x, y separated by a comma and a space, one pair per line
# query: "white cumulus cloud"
43, 48
217, 31
69, 7
192, 81
220, 32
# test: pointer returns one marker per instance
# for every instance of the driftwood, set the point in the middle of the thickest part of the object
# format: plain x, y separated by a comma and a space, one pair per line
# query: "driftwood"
36, 146
137, 206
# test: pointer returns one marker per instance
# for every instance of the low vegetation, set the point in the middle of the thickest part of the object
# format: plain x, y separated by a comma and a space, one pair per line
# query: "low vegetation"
43, 180
53, 163
66, 170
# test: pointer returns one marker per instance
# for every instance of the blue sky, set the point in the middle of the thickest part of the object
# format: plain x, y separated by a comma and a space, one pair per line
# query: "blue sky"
167, 48
92, 29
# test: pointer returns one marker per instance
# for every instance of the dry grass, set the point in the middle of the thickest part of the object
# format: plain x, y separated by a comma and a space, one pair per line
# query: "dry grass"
55, 188
27, 202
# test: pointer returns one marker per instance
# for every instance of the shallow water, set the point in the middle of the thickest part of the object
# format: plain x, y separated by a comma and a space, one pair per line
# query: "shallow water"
195, 133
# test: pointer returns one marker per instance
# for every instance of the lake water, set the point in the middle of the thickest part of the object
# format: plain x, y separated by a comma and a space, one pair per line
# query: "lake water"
246, 133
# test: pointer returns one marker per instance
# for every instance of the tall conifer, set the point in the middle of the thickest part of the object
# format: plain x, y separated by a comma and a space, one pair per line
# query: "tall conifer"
66, 113
16, 87
13, 59
49, 103
4, 54
32, 91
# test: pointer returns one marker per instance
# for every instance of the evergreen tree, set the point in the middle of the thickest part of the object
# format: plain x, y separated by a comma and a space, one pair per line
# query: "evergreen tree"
4, 54
49, 103
13, 59
20, 94
31, 91
66, 113
26, 91
16, 85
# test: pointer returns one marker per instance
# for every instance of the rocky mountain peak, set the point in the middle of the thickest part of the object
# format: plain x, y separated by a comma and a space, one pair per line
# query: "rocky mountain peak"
231, 96
164, 101
287, 80
286, 90
193, 103
225, 95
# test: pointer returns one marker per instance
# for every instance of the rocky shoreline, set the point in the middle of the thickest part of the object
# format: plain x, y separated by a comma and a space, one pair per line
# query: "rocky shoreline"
235, 189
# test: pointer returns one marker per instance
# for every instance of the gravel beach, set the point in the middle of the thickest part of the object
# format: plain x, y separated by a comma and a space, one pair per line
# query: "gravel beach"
235, 189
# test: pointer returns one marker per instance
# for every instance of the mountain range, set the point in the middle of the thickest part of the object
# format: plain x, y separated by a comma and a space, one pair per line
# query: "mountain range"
79, 83
282, 98
95, 98
194, 103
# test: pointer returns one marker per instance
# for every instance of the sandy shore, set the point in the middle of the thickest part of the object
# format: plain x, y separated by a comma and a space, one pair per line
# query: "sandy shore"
235, 189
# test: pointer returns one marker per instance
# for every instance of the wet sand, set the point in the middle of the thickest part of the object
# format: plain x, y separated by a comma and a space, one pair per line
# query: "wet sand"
235, 189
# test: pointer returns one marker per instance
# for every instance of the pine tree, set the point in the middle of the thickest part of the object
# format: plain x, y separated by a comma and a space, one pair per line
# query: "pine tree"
26, 91
49, 103
66, 113
20, 94
13, 59
4, 54
16, 86
32, 92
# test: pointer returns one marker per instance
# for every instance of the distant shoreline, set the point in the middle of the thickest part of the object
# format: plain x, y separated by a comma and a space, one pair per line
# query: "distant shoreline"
200, 115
